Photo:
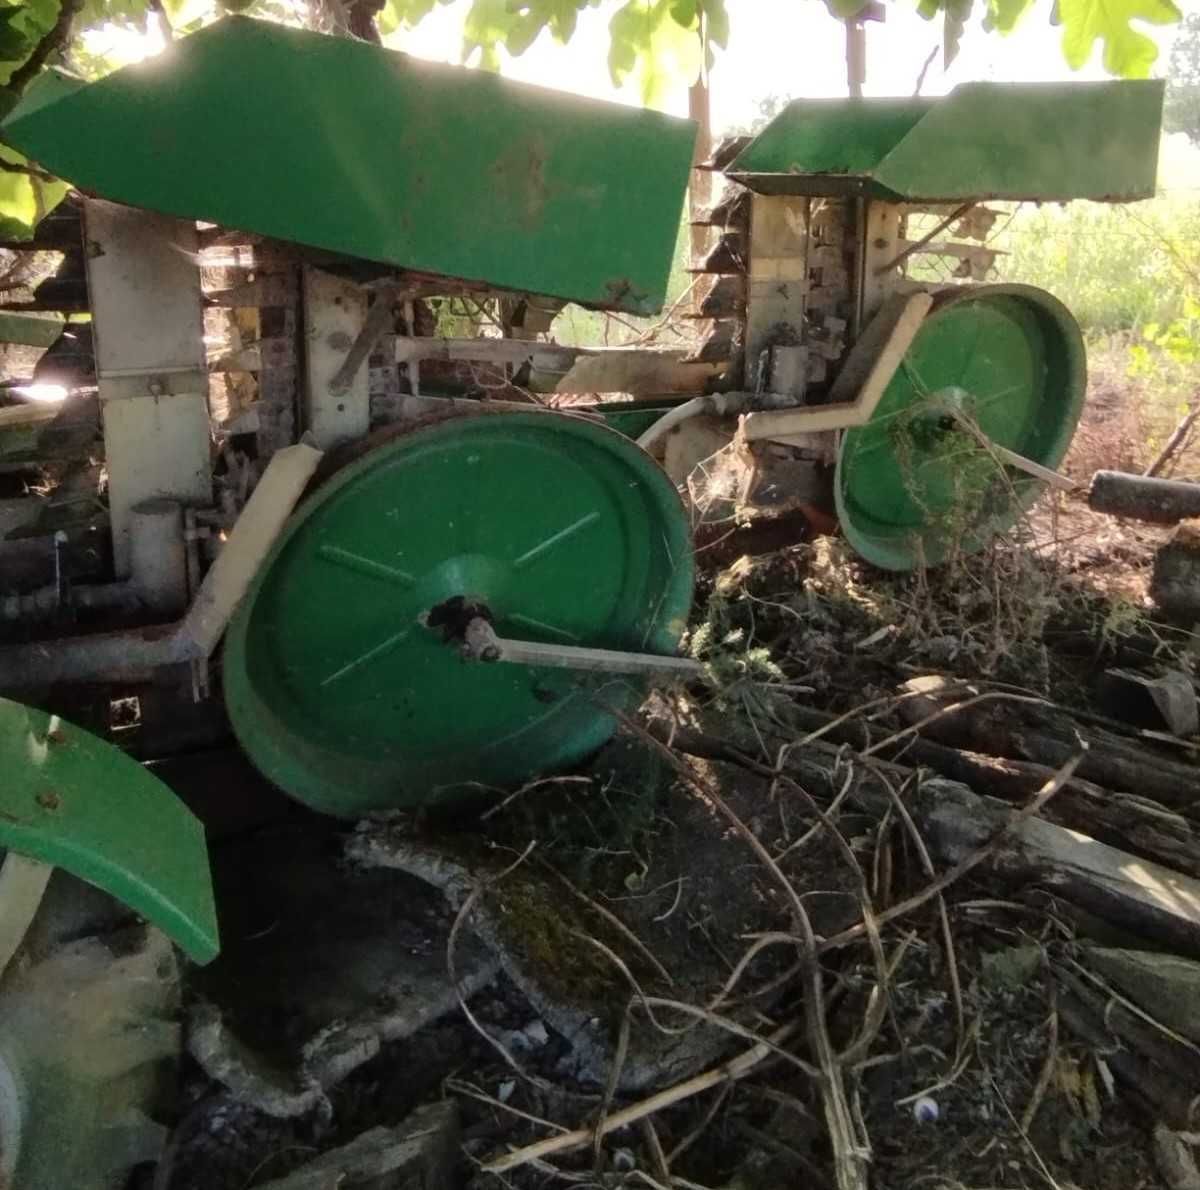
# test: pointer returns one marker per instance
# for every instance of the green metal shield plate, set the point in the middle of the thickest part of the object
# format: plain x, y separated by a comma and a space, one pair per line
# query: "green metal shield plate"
1041, 141
68, 798
570, 533
913, 485
33, 330
341, 145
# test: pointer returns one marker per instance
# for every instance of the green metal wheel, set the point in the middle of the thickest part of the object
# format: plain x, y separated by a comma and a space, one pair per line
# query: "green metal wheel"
342, 678
996, 364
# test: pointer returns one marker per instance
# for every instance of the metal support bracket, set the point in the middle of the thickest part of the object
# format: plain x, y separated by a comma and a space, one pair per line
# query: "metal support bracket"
481, 643
872, 362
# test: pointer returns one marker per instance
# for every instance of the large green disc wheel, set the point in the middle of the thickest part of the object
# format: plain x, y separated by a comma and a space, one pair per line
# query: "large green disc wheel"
343, 679
996, 365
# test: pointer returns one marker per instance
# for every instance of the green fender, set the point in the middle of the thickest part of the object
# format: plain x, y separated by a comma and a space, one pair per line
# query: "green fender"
70, 799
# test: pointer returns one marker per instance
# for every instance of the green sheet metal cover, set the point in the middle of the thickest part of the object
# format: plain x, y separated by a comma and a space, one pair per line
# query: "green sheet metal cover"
72, 800
915, 484
1041, 141
33, 330
340, 691
341, 145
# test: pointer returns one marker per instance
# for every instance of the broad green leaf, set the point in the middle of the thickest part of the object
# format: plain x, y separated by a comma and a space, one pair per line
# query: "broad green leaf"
683, 12
406, 13
928, 9
648, 44
563, 19
184, 13
1003, 15
954, 22
487, 27
844, 9
121, 12
24, 200
22, 26
717, 17
1127, 52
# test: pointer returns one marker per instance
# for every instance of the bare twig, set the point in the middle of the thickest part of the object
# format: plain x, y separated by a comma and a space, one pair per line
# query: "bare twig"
1045, 1171
944, 711
29, 171
528, 787
727, 1072
849, 1156
614, 1079
460, 918
613, 920
460, 1087
1047, 1071
657, 1157
701, 1128
1176, 440
969, 862
944, 917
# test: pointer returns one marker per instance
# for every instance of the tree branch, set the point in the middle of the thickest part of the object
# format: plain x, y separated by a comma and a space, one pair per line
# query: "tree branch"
30, 171
164, 21
55, 40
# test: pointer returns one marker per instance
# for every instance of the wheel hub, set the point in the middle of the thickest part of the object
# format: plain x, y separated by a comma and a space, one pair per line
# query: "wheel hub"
1000, 364
339, 680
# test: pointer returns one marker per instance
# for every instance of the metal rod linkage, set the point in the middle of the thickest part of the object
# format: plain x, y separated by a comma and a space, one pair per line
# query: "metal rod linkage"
481, 643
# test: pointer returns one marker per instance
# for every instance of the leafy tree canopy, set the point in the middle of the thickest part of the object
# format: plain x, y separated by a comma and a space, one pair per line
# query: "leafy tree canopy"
1182, 112
656, 43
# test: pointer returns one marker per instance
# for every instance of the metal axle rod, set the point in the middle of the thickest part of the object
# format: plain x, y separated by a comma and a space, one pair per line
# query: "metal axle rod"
481, 643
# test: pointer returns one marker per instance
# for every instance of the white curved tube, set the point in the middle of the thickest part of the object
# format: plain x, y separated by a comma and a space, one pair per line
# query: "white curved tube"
712, 403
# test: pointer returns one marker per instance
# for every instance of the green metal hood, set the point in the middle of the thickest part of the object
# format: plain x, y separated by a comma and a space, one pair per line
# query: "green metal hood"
1039, 141
344, 146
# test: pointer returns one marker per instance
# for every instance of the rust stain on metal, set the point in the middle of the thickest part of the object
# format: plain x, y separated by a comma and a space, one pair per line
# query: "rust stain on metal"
48, 800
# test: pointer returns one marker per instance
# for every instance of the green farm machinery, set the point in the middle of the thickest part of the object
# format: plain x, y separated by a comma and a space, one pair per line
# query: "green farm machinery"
280, 496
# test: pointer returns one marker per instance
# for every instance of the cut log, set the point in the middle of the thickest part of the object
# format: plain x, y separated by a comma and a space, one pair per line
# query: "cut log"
1175, 583
1160, 501
1137, 824
1132, 894
1035, 731
420, 1152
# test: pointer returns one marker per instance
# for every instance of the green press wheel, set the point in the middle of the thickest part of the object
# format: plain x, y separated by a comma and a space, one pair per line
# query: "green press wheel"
915, 484
342, 691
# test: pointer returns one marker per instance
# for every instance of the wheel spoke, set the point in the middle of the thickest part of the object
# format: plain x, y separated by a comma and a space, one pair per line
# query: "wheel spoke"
367, 566
362, 659
555, 539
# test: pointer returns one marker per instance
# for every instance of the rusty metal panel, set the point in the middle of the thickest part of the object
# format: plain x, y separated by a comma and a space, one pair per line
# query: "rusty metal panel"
1039, 141
341, 145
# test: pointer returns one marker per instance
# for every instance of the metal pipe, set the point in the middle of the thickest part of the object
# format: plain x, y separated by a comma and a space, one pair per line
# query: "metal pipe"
718, 403
43, 603
103, 656
136, 654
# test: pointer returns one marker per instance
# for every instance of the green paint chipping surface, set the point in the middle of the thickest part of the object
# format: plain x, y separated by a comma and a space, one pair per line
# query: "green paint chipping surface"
340, 145
68, 798
1039, 141
343, 693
